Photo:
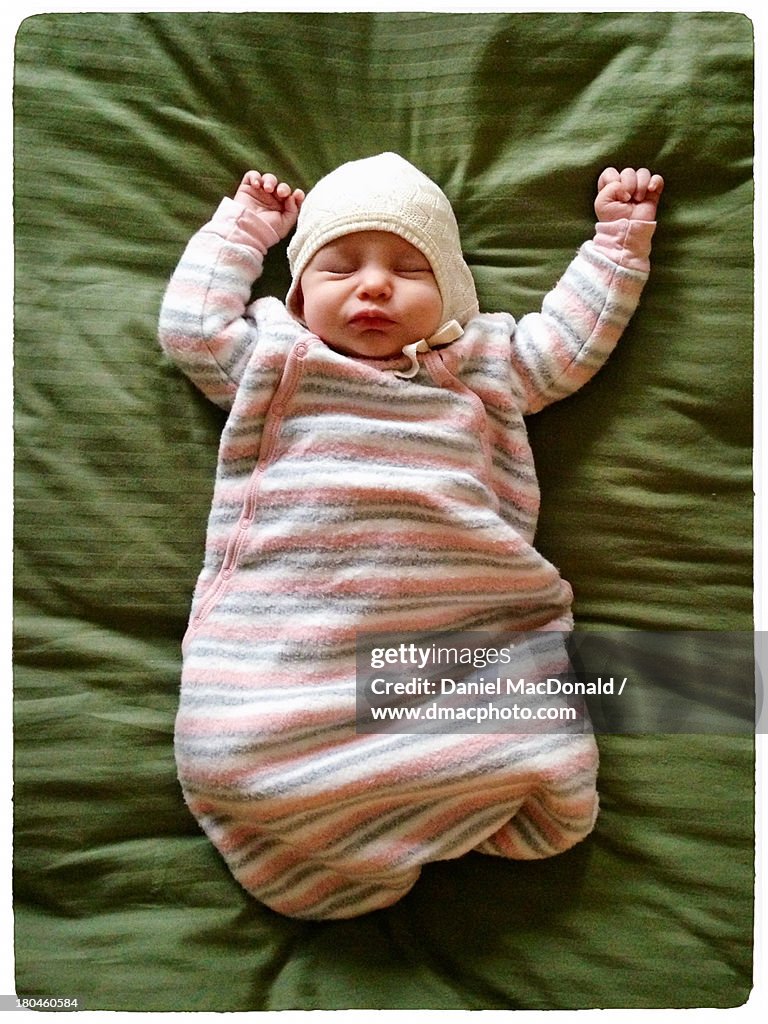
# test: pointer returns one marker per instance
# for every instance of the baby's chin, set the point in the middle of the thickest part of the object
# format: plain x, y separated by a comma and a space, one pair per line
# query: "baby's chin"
367, 347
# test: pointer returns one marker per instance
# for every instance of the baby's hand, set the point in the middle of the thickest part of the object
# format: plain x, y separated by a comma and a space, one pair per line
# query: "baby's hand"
276, 202
633, 195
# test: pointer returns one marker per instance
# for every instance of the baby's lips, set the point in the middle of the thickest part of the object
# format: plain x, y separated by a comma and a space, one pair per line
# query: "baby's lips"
374, 317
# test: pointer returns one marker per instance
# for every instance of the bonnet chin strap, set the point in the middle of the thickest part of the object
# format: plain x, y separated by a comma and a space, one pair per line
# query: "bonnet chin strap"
450, 331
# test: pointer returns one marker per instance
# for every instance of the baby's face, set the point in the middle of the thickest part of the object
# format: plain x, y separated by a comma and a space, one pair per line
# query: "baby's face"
369, 294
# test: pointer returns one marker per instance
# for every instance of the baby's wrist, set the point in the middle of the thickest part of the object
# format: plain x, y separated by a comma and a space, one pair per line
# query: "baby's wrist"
244, 225
626, 242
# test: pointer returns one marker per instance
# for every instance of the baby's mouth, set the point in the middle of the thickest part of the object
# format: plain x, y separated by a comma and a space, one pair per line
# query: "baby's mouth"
373, 319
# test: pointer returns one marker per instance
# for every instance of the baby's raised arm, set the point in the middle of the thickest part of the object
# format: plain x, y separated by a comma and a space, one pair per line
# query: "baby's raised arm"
274, 201
629, 194
582, 318
203, 322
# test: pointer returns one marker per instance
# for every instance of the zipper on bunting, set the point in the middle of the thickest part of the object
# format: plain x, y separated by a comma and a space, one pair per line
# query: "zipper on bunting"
274, 418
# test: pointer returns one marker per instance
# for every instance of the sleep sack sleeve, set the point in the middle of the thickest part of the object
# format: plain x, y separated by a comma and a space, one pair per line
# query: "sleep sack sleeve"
204, 326
557, 350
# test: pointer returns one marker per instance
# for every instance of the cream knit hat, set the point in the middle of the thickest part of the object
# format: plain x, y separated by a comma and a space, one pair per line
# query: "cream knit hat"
386, 193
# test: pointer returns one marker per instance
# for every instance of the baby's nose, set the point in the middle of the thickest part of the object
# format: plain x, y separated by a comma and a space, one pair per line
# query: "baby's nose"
374, 281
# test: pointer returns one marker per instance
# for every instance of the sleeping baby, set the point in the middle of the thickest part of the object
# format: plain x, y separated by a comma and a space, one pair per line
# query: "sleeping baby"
374, 476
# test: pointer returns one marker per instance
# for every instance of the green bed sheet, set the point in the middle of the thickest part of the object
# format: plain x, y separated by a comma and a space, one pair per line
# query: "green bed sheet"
128, 130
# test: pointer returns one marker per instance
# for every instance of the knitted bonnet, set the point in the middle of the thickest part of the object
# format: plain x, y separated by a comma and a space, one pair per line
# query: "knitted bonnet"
386, 193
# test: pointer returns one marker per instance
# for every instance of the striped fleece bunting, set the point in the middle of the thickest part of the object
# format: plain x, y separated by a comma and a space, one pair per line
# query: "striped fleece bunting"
349, 499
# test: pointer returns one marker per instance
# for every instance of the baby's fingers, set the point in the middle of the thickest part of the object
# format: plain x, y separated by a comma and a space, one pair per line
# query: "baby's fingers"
629, 180
293, 199
268, 182
609, 175
251, 179
642, 179
280, 189
615, 191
